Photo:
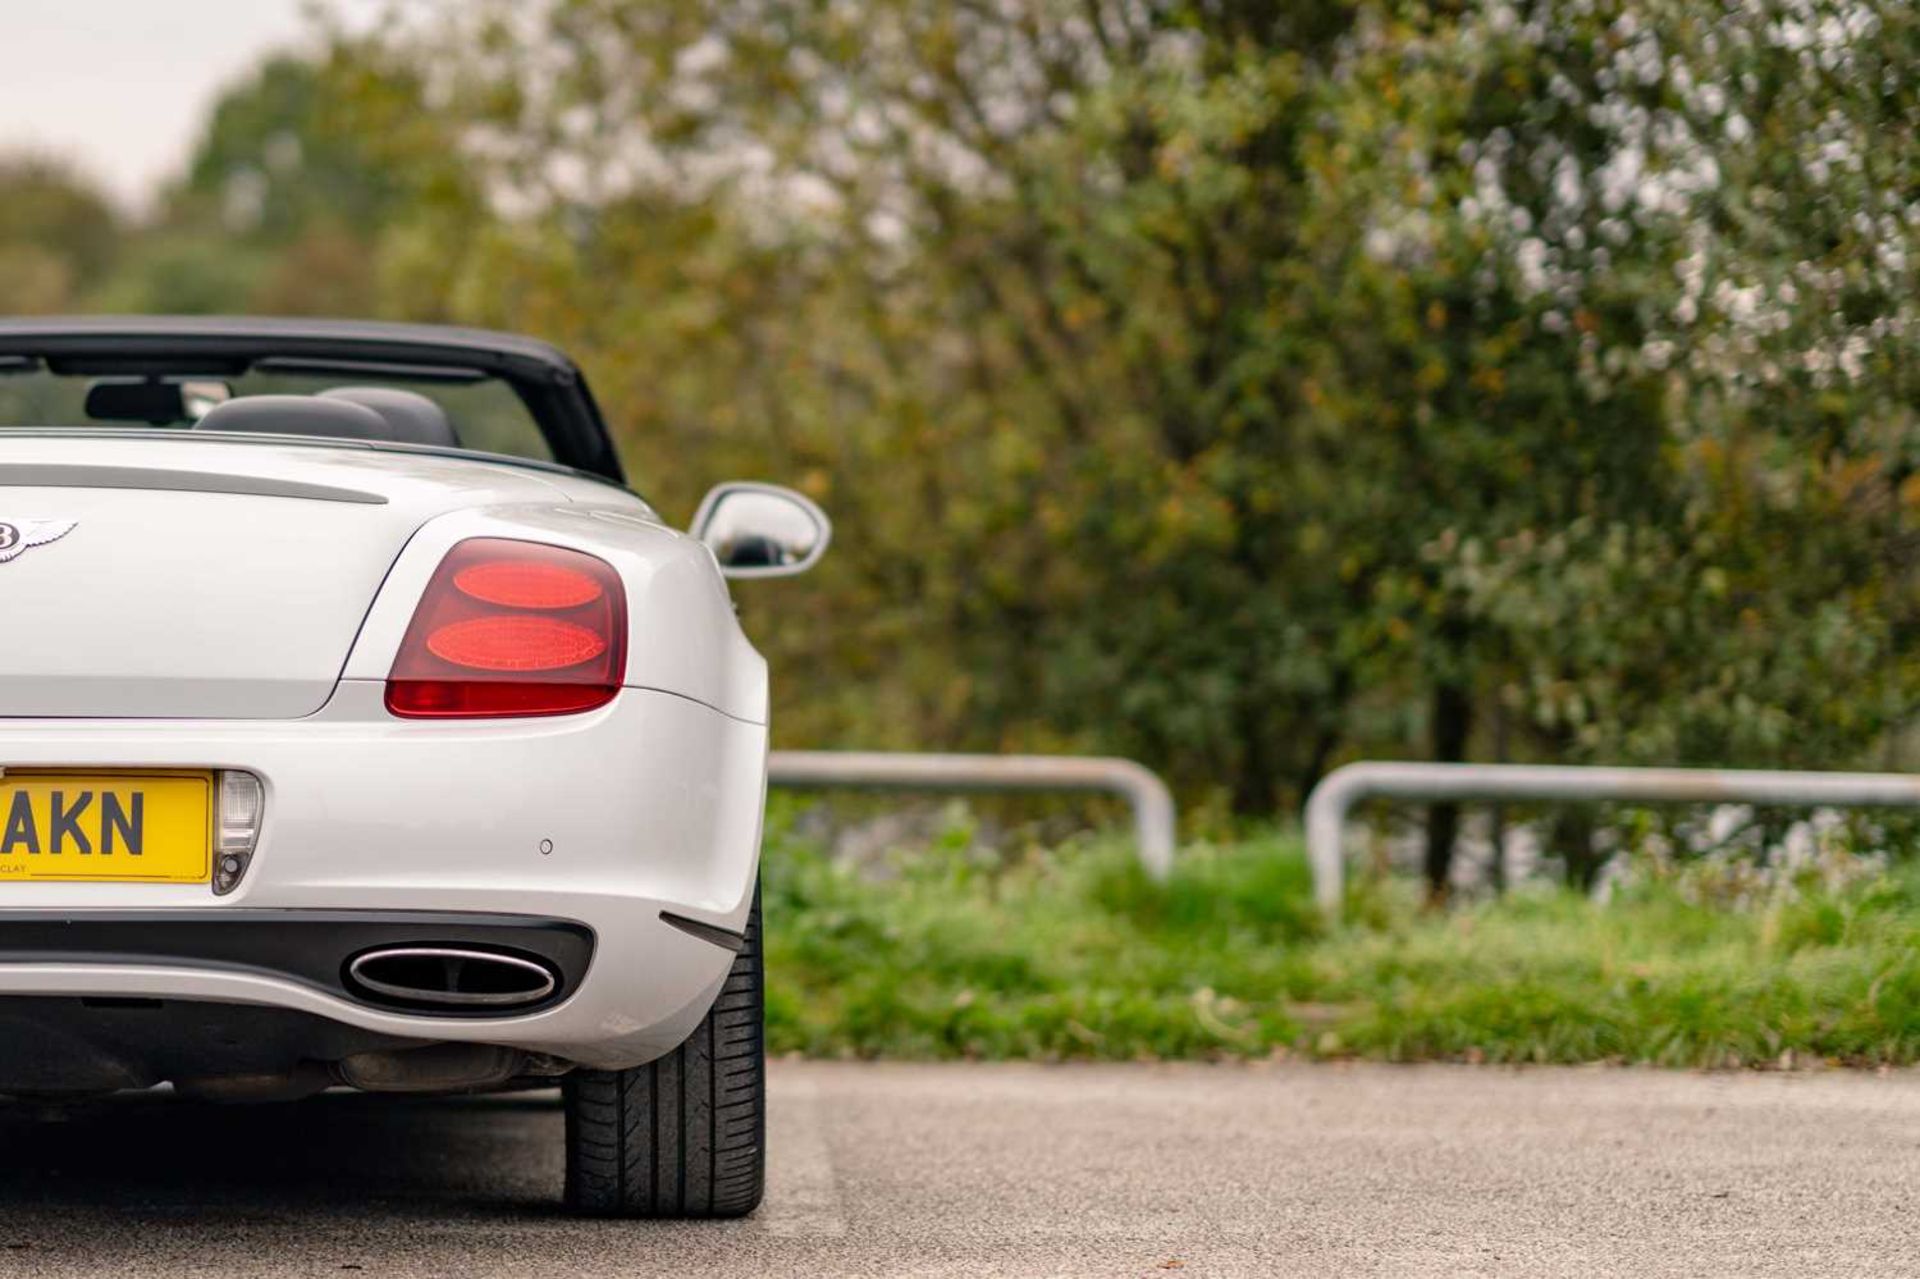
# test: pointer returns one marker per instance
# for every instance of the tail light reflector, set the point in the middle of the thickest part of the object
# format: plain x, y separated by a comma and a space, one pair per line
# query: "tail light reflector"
530, 584
515, 644
512, 628
237, 827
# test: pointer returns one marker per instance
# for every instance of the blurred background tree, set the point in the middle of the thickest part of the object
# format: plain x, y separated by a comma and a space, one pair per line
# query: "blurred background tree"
58, 235
1243, 387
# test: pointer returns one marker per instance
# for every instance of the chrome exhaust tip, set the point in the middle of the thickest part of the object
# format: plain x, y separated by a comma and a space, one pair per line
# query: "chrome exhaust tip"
450, 977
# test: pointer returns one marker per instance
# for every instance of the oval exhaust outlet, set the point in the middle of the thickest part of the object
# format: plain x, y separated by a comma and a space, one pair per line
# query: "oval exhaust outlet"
450, 977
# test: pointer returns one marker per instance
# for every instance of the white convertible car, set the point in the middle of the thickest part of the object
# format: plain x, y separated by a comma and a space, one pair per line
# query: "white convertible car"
358, 726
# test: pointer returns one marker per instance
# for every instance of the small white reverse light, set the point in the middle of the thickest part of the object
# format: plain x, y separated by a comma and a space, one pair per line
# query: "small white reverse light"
236, 827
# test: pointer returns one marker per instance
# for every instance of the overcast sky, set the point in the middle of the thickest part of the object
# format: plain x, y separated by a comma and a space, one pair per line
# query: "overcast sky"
121, 86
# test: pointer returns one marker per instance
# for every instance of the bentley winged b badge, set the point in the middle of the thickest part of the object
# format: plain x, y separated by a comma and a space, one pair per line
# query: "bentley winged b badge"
23, 535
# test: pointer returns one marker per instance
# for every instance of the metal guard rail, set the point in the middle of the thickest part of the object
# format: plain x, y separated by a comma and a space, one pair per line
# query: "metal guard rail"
1340, 790
1152, 803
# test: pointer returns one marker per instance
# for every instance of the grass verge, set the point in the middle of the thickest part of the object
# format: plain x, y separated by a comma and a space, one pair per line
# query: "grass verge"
1074, 954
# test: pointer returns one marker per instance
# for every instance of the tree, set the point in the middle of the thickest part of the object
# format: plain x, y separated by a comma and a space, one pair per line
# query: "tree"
1687, 224
58, 234
304, 169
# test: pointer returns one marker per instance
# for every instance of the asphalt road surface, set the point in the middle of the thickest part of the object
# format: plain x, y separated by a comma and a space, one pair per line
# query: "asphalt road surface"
1019, 1170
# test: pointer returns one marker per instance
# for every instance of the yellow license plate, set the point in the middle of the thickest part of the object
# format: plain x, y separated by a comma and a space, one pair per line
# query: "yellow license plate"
111, 827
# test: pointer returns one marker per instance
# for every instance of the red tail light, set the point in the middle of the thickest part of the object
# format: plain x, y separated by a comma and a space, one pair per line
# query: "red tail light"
512, 628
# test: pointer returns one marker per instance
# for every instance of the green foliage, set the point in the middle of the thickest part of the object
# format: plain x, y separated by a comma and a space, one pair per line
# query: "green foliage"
1679, 225
183, 273
58, 236
1070, 953
340, 142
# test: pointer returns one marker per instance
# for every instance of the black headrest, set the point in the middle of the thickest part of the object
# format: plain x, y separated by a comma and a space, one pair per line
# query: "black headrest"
415, 419
297, 415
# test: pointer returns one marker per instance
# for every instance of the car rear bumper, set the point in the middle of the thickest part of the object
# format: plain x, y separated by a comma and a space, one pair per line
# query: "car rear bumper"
635, 828
321, 949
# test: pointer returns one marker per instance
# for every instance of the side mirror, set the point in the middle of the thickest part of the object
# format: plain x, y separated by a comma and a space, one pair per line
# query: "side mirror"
761, 530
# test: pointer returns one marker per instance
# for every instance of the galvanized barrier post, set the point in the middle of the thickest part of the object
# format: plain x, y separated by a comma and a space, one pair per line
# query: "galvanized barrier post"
1152, 803
1340, 790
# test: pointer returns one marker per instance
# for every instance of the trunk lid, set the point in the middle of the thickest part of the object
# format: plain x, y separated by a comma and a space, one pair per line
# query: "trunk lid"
218, 579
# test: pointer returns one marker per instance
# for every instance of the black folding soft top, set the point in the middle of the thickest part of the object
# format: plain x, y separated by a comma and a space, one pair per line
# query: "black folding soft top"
547, 382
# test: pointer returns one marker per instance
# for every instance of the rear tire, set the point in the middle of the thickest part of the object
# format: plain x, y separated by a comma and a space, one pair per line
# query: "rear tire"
683, 1136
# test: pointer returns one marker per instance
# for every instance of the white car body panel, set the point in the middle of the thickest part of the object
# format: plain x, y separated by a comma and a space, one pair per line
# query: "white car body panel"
237, 605
206, 630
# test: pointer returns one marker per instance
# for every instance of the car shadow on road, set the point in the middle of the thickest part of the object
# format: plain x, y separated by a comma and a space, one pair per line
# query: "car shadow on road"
341, 1153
